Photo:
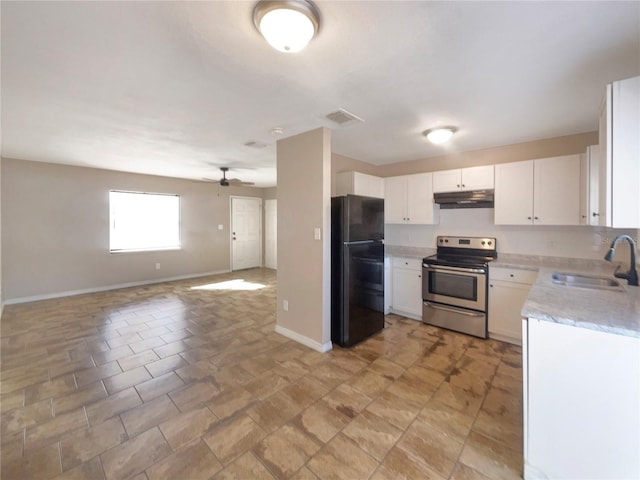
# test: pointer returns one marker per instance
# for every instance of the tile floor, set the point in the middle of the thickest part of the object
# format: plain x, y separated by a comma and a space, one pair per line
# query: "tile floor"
187, 380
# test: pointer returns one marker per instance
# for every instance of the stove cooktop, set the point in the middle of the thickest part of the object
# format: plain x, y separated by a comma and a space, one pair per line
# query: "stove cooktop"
463, 252
457, 260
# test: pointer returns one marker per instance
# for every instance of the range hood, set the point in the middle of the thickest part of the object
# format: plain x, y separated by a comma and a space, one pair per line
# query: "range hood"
471, 199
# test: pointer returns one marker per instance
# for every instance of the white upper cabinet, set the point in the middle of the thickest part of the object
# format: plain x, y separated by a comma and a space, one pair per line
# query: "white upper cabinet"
463, 179
409, 200
538, 192
356, 183
513, 203
619, 173
589, 186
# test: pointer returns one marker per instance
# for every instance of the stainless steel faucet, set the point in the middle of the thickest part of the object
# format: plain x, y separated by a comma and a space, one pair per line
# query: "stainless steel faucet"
632, 275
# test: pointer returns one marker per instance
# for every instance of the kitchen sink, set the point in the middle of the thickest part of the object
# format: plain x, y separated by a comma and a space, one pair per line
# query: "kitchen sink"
586, 281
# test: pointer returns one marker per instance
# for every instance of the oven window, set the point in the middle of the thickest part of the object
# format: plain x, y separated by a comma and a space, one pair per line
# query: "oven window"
454, 285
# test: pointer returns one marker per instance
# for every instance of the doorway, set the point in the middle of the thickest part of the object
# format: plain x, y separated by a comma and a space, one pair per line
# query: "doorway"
271, 234
246, 232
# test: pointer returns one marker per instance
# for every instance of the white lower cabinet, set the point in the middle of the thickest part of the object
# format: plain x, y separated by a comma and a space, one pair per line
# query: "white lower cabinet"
387, 284
508, 290
581, 402
406, 287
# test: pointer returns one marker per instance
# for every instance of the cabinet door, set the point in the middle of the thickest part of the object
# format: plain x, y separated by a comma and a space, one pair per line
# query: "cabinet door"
589, 186
420, 207
619, 123
584, 188
514, 193
505, 304
407, 291
625, 154
395, 199
446, 181
593, 202
556, 196
368, 185
477, 178
604, 171
375, 186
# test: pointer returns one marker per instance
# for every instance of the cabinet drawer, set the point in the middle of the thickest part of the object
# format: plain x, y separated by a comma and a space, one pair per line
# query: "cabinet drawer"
407, 262
515, 275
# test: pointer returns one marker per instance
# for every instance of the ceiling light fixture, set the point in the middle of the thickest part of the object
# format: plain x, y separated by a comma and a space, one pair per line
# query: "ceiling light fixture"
288, 25
439, 134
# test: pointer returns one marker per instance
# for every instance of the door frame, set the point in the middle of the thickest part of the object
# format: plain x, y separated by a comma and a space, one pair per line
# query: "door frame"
260, 221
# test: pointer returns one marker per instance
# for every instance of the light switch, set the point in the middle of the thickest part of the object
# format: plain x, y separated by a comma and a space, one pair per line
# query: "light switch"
316, 234
220, 227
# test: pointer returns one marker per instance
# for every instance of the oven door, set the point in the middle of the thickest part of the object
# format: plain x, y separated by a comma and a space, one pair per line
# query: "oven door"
457, 286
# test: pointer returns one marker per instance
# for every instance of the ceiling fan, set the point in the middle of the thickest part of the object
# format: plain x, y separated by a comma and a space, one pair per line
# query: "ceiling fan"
226, 182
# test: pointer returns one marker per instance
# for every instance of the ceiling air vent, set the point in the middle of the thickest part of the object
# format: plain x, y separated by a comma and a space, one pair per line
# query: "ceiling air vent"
343, 118
255, 144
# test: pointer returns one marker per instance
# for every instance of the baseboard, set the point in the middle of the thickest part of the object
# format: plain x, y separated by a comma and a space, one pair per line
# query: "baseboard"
306, 341
532, 473
406, 314
505, 338
70, 293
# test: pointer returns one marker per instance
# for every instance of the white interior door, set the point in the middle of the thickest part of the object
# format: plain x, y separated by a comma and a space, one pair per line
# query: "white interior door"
246, 232
271, 234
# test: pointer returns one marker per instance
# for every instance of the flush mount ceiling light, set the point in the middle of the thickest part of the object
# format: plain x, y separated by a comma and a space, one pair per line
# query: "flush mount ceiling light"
288, 25
439, 134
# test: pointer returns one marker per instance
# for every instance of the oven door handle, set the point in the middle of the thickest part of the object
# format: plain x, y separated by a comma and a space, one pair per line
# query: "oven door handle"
454, 310
453, 269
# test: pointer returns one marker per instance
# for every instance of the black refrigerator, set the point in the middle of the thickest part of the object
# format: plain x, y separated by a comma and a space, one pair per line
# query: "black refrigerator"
357, 268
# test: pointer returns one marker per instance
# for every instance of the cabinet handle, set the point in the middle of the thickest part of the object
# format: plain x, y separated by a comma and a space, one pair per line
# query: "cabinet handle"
419, 276
528, 218
511, 275
584, 216
594, 214
536, 218
463, 185
491, 285
458, 185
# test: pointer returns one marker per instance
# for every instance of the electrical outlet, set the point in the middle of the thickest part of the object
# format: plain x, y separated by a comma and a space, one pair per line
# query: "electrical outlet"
157, 266
285, 305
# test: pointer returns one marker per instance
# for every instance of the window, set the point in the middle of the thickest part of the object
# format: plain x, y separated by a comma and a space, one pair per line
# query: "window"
143, 221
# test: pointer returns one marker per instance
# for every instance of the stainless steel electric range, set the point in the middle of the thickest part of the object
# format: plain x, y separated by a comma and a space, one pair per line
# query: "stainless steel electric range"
454, 284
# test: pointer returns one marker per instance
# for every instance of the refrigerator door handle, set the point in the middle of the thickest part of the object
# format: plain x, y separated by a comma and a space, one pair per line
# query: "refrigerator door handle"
360, 242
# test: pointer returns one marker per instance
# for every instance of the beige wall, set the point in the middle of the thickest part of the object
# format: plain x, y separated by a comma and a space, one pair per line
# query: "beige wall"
1, 293
270, 193
550, 147
304, 177
55, 233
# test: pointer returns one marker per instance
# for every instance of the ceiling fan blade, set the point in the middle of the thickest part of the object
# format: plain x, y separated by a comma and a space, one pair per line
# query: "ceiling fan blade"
236, 181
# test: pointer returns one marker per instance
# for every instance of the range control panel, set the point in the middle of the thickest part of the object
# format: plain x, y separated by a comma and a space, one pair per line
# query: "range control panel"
476, 243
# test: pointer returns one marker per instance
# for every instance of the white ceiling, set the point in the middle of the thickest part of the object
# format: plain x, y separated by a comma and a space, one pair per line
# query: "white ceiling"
178, 88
